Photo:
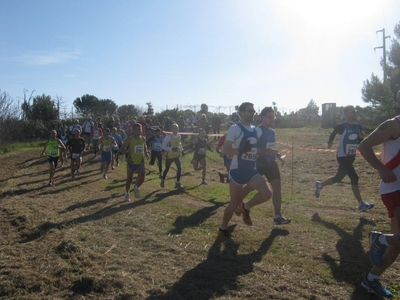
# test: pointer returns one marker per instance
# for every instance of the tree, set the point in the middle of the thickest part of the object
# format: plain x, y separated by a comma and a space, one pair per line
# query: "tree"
150, 110
127, 111
379, 94
87, 105
44, 109
106, 107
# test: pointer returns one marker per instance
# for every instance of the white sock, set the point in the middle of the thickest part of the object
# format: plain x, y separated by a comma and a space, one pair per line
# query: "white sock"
382, 240
246, 206
371, 277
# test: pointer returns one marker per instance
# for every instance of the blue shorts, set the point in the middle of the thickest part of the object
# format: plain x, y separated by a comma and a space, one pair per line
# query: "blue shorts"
242, 176
106, 157
134, 167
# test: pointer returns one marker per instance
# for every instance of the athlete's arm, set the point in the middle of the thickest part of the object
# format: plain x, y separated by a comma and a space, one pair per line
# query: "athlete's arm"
383, 133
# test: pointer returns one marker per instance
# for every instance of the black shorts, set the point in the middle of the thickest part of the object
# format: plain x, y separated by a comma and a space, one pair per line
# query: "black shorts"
270, 171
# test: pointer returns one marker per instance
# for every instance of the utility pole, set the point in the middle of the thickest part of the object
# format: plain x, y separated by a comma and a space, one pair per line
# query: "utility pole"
384, 51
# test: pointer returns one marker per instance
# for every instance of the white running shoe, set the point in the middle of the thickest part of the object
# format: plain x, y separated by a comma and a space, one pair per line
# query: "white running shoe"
365, 206
137, 191
318, 188
127, 197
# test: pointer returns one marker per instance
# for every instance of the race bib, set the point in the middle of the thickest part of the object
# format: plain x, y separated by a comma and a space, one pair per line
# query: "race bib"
251, 155
75, 155
107, 148
351, 149
157, 145
96, 136
53, 153
138, 149
201, 151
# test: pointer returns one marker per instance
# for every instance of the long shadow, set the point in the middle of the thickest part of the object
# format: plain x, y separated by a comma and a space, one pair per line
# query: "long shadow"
353, 261
219, 273
102, 213
195, 219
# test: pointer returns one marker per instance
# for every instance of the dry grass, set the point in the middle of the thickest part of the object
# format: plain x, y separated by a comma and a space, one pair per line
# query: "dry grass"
79, 240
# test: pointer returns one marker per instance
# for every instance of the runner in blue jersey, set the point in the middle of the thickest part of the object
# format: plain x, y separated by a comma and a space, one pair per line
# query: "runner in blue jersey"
267, 166
154, 143
240, 142
350, 135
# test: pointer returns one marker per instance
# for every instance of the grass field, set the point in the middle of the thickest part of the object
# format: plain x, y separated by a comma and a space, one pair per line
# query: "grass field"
80, 240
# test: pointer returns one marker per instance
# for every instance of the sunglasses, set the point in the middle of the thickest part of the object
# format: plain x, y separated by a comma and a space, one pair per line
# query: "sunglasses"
252, 111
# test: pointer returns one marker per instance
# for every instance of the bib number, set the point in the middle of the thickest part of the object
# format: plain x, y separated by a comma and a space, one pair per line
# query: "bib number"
271, 145
201, 151
106, 148
251, 155
53, 153
351, 149
76, 155
138, 149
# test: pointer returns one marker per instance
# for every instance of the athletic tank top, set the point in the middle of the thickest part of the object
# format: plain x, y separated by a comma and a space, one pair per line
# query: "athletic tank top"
201, 146
136, 147
175, 144
391, 159
247, 160
157, 143
52, 149
267, 141
106, 144
349, 140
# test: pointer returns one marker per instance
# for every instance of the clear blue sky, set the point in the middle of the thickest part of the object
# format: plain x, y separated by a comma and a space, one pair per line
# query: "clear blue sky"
185, 53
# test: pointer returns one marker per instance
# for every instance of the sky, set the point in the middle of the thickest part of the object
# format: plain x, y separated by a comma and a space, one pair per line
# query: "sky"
182, 53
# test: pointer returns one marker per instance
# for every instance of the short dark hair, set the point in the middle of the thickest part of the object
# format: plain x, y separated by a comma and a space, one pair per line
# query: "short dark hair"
243, 106
266, 110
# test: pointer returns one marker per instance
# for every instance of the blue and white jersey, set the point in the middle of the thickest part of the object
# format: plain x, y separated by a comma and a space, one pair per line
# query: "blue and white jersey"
157, 143
119, 141
349, 140
239, 134
266, 141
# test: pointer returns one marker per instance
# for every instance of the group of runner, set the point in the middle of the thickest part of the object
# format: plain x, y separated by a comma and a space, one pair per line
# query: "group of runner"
249, 153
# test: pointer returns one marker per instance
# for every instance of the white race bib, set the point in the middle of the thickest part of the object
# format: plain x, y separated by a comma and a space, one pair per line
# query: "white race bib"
76, 155
107, 148
251, 155
138, 149
351, 149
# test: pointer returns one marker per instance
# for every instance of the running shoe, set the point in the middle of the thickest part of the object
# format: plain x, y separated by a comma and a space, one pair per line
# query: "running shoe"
318, 188
162, 183
73, 177
179, 186
221, 177
280, 220
376, 287
224, 233
137, 191
204, 182
376, 248
245, 214
365, 206
199, 168
105, 176
127, 197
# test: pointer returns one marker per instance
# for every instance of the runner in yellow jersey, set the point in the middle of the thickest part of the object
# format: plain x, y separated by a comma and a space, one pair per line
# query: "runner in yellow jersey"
105, 145
173, 147
52, 150
136, 149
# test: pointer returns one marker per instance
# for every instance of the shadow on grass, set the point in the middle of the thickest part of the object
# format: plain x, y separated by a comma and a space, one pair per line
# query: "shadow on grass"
195, 219
102, 213
353, 260
219, 273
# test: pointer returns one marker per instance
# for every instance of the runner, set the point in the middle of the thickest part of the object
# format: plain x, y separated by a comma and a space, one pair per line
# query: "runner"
106, 143
115, 149
136, 148
227, 160
76, 147
350, 135
240, 143
200, 146
87, 129
96, 134
267, 166
155, 143
52, 150
63, 137
173, 147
